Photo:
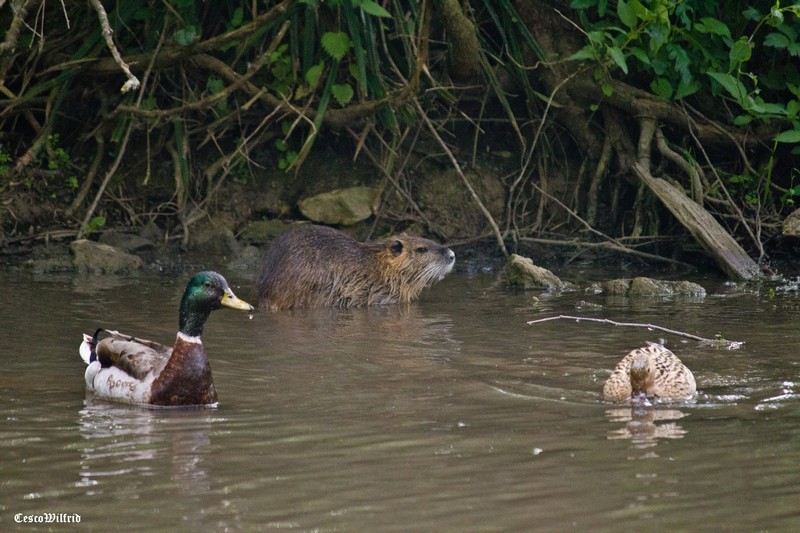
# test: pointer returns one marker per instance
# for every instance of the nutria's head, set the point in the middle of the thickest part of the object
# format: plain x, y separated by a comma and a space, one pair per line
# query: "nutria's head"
643, 375
413, 263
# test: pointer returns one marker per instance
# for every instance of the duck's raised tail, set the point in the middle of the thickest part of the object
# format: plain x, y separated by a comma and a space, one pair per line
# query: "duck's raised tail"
87, 348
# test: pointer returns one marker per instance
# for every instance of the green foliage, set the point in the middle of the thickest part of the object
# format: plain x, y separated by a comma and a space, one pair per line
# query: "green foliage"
5, 159
743, 53
94, 224
336, 44
287, 155
57, 157
683, 46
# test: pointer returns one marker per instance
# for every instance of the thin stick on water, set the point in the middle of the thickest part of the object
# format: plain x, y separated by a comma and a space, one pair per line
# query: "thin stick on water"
719, 341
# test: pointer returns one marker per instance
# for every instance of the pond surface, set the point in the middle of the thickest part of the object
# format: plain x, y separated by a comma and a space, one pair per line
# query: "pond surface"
450, 414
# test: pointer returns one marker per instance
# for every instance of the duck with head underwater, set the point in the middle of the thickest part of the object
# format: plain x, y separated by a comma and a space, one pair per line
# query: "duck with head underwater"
138, 371
652, 372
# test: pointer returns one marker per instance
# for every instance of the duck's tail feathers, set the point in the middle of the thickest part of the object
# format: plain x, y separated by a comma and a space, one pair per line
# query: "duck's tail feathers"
88, 346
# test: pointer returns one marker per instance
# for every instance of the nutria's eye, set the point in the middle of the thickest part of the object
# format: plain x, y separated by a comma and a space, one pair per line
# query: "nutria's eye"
397, 247
421, 250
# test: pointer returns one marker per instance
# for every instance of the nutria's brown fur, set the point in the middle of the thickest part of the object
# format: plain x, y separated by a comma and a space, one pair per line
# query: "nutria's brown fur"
318, 266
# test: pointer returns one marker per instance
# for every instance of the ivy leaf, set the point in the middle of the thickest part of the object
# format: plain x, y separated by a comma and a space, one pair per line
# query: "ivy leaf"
336, 44
371, 8
788, 136
342, 92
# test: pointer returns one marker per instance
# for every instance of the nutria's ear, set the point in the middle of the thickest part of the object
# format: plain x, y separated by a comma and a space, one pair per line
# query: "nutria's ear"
397, 247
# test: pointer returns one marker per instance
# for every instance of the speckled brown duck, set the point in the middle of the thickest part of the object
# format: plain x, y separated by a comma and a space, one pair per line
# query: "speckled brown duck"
650, 372
137, 371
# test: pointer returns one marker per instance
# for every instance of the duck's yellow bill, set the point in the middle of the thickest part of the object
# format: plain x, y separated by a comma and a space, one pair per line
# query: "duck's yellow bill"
230, 300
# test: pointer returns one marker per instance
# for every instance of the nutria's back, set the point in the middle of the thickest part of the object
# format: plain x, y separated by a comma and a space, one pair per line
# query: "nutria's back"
318, 266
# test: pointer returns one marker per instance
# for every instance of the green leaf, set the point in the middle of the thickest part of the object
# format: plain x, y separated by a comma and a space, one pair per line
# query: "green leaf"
640, 54
214, 85
626, 14
582, 4
771, 109
237, 18
740, 52
607, 89
618, 57
777, 40
730, 84
343, 93
775, 16
714, 26
662, 87
587, 52
788, 136
371, 8
313, 75
597, 37
743, 120
751, 13
686, 88
186, 36
792, 109
336, 44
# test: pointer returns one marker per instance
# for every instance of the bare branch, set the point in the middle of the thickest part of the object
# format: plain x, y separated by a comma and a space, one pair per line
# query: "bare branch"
718, 341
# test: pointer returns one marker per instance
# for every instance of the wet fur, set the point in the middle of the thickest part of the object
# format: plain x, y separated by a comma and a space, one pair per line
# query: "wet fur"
318, 266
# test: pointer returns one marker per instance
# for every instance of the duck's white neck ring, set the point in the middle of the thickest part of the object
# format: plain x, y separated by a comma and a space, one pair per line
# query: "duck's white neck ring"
189, 338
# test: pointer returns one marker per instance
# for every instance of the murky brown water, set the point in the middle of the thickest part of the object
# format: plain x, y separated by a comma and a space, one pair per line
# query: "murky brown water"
452, 414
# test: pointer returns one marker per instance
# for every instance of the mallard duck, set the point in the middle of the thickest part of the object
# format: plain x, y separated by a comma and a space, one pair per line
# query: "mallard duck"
138, 371
650, 372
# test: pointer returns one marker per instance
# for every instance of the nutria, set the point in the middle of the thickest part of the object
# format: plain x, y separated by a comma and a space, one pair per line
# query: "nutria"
318, 266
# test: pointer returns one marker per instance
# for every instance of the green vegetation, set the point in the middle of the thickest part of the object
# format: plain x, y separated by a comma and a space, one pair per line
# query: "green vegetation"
574, 104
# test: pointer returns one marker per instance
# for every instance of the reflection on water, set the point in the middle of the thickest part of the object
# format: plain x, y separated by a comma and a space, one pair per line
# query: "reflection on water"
645, 425
449, 414
122, 440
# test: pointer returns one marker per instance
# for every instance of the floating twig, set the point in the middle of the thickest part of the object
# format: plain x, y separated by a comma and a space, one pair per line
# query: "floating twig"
718, 341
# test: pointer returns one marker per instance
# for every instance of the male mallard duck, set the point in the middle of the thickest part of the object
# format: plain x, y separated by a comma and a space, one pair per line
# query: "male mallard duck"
650, 372
138, 371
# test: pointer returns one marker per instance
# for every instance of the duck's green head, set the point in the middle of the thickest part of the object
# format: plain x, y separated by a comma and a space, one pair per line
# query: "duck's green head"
206, 292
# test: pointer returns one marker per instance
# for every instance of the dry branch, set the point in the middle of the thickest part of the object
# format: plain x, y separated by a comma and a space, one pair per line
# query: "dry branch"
730, 257
133, 82
730, 345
